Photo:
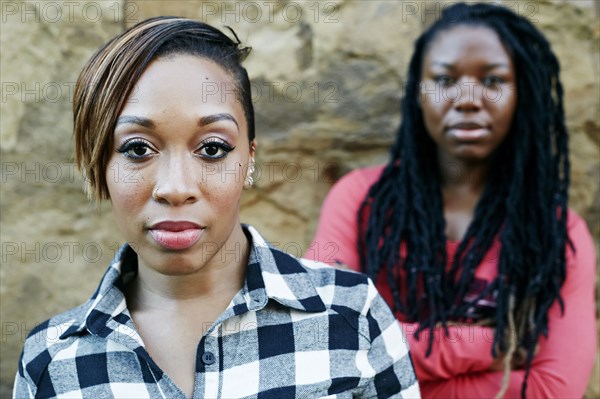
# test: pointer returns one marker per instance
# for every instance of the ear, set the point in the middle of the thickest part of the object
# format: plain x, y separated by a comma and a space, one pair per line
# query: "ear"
249, 180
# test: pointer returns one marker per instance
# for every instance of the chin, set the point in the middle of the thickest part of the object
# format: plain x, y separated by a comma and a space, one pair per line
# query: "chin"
177, 271
174, 263
176, 268
471, 154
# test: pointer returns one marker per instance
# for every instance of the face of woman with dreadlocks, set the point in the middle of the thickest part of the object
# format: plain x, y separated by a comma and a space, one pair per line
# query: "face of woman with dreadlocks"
468, 92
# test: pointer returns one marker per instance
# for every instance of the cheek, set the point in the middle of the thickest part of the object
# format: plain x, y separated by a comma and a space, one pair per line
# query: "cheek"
433, 114
434, 106
433, 110
126, 187
127, 199
504, 108
223, 189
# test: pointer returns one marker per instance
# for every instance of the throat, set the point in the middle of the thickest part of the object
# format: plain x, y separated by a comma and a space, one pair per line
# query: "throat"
459, 208
455, 172
171, 334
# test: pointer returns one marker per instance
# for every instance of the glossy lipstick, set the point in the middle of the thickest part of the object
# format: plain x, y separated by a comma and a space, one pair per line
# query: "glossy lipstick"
176, 235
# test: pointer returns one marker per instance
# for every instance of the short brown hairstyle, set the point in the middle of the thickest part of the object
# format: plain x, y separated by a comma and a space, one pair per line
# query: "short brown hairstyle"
109, 76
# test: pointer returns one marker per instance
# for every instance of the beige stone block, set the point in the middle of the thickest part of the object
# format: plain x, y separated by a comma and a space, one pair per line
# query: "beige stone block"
11, 113
347, 58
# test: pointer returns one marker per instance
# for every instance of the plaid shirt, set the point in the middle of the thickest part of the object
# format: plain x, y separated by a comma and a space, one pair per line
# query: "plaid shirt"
297, 329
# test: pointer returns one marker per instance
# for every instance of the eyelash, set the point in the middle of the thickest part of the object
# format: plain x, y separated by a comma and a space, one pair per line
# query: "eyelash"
488, 81
495, 80
444, 80
215, 143
129, 146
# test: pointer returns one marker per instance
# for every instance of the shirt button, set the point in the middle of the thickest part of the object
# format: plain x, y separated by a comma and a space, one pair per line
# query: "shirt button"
208, 358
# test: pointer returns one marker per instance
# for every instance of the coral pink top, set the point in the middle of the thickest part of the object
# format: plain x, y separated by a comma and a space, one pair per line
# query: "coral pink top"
459, 364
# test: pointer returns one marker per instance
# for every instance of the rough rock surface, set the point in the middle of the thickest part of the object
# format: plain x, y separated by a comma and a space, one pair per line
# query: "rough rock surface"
327, 80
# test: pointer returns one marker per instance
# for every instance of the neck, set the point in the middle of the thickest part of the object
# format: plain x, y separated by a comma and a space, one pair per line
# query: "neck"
462, 175
219, 279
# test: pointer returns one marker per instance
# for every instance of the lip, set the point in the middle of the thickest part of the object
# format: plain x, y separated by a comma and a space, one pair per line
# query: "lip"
176, 235
170, 225
467, 125
468, 131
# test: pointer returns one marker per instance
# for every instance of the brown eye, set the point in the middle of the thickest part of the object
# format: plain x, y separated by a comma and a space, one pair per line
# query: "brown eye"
492, 81
214, 149
139, 150
211, 150
444, 80
136, 149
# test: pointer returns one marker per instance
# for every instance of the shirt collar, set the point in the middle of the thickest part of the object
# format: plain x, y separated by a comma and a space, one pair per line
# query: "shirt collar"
271, 274
108, 301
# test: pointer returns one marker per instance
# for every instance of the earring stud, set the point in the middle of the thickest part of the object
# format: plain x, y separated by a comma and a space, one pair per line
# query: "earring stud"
249, 179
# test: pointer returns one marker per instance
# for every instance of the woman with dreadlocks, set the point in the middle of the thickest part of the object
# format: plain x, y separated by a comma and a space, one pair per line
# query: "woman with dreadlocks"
466, 230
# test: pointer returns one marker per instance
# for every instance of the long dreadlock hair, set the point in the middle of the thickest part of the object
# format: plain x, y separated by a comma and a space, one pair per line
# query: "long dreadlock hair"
524, 202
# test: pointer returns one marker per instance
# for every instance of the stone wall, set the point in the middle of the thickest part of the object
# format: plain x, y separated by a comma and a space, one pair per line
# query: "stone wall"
327, 79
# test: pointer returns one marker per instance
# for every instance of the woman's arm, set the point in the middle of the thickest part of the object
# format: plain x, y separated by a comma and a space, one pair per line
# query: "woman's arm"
466, 349
22, 387
563, 364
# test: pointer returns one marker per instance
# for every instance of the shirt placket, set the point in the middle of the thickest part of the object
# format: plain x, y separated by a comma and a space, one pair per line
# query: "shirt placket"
207, 366
209, 361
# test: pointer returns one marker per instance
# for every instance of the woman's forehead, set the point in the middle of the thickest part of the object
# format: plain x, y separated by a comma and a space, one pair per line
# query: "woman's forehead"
181, 85
457, 43
185, 72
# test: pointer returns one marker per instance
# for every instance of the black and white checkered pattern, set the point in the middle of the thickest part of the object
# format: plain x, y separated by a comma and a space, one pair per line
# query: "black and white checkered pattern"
298, 329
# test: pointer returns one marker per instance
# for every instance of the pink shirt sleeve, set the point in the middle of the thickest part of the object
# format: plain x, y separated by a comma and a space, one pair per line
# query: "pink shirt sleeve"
466, 349
563, 364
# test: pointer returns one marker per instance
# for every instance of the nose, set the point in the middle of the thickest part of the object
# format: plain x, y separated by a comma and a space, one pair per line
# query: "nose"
470, 96
176, 183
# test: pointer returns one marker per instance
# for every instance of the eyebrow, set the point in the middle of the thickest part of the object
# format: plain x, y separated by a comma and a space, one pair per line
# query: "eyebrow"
203, 121
487, 67
207, 120
135, 120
